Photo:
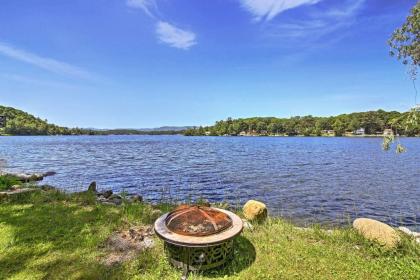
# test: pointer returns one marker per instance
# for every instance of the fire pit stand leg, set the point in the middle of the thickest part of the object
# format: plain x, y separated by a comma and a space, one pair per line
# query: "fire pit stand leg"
185, 264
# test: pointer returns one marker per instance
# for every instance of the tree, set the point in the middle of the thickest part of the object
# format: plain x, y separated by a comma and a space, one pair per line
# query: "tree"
405, 41
339, 127
405, 45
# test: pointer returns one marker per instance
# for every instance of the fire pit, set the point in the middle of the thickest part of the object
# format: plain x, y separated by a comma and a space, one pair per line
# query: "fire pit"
198, 237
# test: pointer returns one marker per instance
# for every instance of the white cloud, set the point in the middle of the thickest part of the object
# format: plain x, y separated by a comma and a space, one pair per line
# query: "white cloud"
48, 64
37, 82
268, 9
146, 5
318, 23
174, 36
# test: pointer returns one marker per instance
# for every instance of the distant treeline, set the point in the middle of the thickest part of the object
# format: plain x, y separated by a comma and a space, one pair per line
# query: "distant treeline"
21, 123
137, 132
372, 122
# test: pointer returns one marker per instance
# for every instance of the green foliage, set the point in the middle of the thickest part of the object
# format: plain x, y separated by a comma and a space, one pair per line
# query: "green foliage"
22, 123
405, 41
374, 122
6, 181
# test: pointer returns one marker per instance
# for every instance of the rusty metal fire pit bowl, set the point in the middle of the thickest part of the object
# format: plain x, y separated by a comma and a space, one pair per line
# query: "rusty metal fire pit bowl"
198, 237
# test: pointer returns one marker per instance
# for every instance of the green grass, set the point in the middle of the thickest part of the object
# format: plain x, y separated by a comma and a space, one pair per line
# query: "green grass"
7, 181
52, 235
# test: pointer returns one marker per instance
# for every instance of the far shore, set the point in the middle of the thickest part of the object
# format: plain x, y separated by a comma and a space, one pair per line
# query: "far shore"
262, 135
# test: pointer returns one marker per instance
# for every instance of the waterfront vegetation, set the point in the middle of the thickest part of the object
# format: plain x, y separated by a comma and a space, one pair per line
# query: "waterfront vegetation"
370, 123
48, 234
21, 123
7, 181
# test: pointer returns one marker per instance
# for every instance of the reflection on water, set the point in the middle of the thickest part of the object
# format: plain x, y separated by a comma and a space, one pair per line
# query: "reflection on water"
305, 179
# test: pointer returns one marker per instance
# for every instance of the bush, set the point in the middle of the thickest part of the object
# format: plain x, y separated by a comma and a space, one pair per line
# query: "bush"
6, 181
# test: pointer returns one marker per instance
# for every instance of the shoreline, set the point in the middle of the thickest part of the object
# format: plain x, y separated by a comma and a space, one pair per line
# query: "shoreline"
50, 233
291, 136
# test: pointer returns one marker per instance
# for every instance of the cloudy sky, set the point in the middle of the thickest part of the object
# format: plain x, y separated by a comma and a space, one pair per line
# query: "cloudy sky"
147, 63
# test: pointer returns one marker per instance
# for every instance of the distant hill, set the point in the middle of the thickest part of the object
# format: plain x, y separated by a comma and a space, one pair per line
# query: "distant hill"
19, 122
167, 128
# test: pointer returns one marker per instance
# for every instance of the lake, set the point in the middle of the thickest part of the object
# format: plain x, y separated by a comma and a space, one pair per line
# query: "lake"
305, 179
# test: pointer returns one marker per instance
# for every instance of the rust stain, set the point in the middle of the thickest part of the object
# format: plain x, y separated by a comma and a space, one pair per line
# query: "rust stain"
195, 220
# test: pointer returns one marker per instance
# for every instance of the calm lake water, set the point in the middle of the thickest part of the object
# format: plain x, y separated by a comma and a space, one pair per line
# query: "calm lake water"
307, 179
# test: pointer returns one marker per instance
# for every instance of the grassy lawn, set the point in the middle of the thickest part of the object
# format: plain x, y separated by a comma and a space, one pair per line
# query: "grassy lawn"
51, 235
8, 181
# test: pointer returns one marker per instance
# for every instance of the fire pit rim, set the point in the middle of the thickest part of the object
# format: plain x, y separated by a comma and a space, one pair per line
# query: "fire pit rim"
198, 241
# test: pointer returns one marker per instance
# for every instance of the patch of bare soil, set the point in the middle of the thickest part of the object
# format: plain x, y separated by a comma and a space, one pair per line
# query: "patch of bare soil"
125, 245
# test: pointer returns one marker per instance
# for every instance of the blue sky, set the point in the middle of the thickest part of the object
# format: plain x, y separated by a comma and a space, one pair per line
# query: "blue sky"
147, 63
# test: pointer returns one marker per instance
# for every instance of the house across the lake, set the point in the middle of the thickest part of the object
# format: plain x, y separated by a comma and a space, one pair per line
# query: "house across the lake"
328, 132
360, 131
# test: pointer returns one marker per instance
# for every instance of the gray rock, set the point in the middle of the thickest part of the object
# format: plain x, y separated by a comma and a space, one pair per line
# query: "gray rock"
405, 230
15, 187
137, 198
116, 201
92, 187
107, 202
107, 193
247, 225
148, 243
49, 173
16, 191
409, 232
156, 213
101, 199
26, 177
115, 196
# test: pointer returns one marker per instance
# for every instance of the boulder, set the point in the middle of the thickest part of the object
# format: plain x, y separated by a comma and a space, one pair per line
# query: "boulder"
377, 231
92, 187
255, 211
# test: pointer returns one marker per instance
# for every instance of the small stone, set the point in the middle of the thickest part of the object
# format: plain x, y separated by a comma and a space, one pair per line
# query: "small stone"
49, 173
247, 225
115, 196
107, 202
405, 230
255, 211
156, 213
15, 187
101, 199
117, 201
148, 243
107, 193
137, 198
92, 187
377, 231
48, 188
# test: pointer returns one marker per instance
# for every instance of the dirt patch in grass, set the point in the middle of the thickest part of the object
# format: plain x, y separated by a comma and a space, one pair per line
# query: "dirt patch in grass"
125, 245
